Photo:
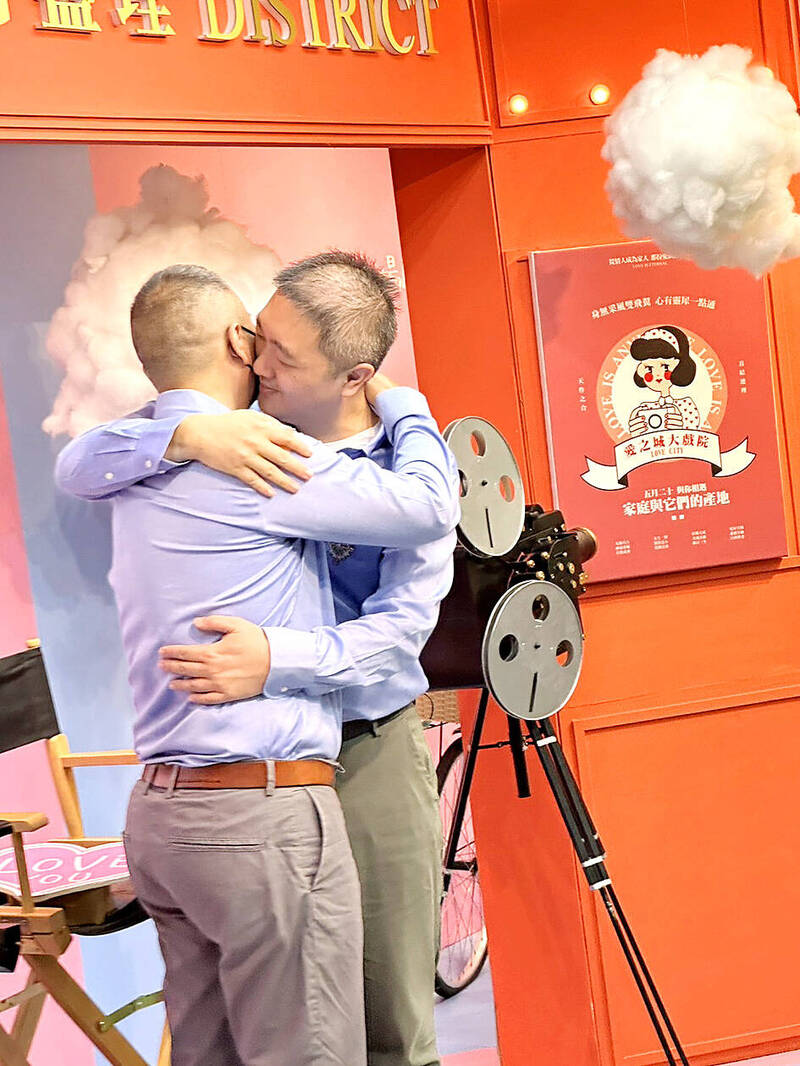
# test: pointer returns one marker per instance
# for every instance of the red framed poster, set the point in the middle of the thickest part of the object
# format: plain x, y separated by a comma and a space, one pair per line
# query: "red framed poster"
660, 408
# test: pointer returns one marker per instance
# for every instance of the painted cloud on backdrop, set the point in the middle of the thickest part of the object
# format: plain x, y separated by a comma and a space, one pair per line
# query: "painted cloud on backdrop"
702, 150
89, 334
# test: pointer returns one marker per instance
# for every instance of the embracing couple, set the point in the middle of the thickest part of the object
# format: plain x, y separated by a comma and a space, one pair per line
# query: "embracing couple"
277, 573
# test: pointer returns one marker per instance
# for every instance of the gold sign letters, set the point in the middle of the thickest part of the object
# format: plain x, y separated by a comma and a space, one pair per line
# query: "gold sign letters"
394, 26
355, 25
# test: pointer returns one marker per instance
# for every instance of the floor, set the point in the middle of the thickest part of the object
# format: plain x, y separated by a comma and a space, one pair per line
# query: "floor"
791, 1058
468, 1037
465, 1025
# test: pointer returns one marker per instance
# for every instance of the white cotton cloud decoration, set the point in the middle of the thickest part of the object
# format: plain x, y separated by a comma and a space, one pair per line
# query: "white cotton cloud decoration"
702, 150
90, 335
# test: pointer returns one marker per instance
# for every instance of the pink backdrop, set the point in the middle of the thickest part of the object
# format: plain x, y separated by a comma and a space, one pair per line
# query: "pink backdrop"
300, 201
17, 620
304, 200
25, 782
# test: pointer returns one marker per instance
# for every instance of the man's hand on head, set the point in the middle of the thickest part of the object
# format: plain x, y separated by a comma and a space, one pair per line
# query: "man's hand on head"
253, 447
377, 384
235, 667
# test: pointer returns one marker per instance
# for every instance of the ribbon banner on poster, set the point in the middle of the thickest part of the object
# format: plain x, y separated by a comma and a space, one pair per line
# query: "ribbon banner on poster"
656, 447
399, 27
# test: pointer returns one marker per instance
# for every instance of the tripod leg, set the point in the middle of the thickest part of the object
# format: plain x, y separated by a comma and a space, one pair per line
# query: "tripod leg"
614, 907
591, 855
640, 983
518, 755
556, 752
464, 787
570, 804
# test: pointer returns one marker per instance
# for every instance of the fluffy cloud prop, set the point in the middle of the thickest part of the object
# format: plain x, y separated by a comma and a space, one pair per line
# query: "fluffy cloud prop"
702, 150
90, 333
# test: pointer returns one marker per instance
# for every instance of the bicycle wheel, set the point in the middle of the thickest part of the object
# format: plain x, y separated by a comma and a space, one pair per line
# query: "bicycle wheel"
463, 945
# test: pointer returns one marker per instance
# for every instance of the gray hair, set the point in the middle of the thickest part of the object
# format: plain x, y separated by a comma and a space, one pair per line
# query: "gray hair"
351, 303
169, 320
174, 284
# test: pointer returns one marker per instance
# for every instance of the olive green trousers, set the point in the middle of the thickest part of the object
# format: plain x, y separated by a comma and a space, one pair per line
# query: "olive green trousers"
388, 794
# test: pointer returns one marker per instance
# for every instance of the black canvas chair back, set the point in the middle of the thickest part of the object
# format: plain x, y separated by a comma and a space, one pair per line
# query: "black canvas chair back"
27, 713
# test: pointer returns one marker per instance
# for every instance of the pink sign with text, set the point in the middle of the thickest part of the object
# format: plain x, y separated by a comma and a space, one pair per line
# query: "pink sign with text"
55, 869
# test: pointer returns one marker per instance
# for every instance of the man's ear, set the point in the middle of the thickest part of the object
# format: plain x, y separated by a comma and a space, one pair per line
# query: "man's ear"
240, 346
357, 377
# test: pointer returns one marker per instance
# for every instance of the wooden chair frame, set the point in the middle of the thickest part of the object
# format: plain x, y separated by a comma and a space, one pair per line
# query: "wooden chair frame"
44, 933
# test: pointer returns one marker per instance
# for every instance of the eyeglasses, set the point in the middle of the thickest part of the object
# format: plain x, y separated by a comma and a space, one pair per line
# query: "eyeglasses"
252, 332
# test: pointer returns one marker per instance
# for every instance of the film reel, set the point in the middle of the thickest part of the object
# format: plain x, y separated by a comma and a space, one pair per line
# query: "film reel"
492, 494
533, 650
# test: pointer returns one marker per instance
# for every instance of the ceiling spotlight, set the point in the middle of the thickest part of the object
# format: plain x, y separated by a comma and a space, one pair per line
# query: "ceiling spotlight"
518, 104
599, 94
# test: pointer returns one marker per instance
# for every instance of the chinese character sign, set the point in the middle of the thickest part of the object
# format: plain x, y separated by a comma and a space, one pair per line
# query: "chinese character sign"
660, 409
336, 27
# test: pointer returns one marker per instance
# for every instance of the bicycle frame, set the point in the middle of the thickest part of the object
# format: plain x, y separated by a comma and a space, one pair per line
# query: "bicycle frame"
517, 744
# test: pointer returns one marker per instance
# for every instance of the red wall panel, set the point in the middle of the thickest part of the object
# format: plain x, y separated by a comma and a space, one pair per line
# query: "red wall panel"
456, 289
550, 190
700, 869
94, 80
555, 56
665, 745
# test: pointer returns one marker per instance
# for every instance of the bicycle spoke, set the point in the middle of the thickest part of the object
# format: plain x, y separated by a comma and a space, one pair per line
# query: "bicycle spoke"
463, 935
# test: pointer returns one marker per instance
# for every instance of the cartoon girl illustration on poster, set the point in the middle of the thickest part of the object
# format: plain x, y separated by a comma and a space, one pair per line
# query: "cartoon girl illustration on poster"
664, 362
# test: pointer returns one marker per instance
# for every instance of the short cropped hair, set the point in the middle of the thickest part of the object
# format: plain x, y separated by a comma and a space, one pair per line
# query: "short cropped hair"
352, 304
169, 321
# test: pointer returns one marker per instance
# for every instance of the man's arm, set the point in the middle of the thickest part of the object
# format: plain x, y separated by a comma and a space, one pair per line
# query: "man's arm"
387, 639
395, 624
356, 501
353, 500
113, 456
116, 455
397, 619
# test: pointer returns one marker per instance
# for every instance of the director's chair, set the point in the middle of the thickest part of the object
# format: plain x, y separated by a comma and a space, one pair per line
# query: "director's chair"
42, 933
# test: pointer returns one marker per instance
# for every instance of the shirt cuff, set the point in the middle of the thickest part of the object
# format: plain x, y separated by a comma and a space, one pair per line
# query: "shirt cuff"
398, 402
153, 444
293, 660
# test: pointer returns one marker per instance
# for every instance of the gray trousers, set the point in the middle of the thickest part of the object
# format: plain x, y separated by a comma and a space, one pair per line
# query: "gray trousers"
256, 901
390, 804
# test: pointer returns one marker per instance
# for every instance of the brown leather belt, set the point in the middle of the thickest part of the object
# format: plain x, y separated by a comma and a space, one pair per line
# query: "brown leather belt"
240, 775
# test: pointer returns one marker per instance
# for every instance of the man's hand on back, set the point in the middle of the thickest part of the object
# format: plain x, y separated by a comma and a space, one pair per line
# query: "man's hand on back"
235, 667
253, 447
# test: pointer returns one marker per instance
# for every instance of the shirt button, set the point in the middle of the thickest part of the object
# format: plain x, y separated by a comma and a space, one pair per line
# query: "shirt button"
109, 476
148, 463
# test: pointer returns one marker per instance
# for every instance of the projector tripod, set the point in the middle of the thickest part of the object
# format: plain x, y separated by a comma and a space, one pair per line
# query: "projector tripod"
585, 840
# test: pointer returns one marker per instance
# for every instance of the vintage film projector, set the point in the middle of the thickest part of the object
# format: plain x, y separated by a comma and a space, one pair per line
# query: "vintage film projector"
511, 627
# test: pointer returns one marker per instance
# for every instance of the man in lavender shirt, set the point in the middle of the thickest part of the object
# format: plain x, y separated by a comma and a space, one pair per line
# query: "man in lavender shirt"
228, 787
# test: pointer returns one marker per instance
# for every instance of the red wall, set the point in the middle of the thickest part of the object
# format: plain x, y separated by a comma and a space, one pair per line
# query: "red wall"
691, 769
237, 90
